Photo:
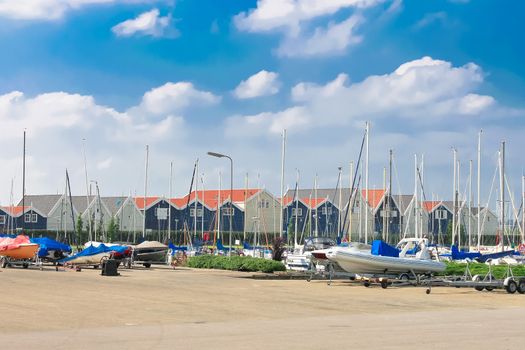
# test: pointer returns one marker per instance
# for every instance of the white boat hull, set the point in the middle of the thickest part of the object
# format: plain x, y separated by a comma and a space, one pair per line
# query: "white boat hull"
359, 262
89, 260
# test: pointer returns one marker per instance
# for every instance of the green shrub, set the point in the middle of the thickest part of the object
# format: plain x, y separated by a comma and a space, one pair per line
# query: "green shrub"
499, 271
235, 263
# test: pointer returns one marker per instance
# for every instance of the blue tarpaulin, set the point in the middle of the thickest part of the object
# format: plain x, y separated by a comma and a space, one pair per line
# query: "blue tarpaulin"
92, 250
46, 244
381, 248
175, 249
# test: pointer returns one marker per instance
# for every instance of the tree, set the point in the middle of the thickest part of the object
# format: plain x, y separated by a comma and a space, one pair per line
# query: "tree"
112, 229
80, 227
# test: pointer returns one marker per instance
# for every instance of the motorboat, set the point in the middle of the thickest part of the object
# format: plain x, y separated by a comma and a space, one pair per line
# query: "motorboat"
411, 256
149, 252
18, 248
92, 255
301, 258
51, 250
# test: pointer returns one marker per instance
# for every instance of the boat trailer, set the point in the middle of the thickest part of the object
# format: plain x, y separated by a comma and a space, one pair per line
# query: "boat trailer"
6, 261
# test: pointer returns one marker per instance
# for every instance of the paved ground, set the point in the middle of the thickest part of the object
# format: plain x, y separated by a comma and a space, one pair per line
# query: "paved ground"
170, 309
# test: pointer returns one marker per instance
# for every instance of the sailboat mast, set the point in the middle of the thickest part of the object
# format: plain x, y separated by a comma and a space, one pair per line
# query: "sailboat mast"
522, 209
470, 205
296, 209
283, 155
502, 193
169, 200
145, 191
219, 205
195, 208
389, 198
350, 203
87, 190
245, 208
454, 198
479, 189
340, 211
384, 205
416, 214
23, 182
367, 205
316, 209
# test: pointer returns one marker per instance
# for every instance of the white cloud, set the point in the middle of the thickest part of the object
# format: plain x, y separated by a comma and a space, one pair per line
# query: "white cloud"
174, 97
422, 91
334, 39
295, 17
147, 23
47, 9
430, 18
56, 123
263, 83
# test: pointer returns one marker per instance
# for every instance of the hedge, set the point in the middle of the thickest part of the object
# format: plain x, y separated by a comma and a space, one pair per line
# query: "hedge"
235, 263
498, 271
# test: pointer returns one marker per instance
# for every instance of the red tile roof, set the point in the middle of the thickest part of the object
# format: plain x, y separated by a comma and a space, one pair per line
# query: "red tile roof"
139, 201
15, 210
374, 197
211, 197
430, 205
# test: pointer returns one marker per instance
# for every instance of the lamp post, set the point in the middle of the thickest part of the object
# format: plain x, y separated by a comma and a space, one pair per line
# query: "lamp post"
219, 155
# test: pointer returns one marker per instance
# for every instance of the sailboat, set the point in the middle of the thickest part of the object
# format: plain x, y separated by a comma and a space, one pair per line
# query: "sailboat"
18, 248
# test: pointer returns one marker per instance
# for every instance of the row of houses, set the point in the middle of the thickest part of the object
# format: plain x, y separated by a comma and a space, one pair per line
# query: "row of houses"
310, 212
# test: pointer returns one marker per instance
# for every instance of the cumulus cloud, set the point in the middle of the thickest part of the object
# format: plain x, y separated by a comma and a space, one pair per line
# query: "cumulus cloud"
333, 40
422, 91
56, 123
47, 9
175, 97
147, 23
294, 18
263, 83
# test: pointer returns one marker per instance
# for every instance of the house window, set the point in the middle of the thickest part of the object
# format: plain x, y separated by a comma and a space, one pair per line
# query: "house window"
199, 212
297, 211
228, 212
264, 204
34, 218
2, 219
324, 208
441, 214
392, 214
161, 213
27, 218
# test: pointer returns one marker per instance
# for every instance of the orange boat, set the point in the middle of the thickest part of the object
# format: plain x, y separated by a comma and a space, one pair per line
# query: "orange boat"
18, 248
23, 251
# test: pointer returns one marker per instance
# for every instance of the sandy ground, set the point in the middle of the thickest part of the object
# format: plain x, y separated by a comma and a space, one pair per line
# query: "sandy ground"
171, 309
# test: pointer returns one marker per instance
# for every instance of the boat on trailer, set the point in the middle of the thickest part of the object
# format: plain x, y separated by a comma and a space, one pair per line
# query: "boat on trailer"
17, 251
410, 257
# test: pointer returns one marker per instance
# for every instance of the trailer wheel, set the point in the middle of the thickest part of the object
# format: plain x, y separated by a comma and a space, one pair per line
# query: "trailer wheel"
366, 284
384, 284
477, 278
4, 263
404, 277
521, 286
511, 287
147, 265
25, 265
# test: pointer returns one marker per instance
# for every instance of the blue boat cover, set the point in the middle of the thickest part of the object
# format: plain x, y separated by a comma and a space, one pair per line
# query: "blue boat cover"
92, 250
46, 244
220, 246
484, 257
174, 248
5, 235
382, 248
459, 255
247, 245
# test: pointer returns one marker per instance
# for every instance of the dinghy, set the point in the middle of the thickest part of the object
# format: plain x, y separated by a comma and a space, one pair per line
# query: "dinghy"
92, 255
18, 248
383, 259
149, 252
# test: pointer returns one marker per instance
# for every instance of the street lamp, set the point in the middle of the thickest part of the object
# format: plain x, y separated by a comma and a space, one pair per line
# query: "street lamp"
218, 155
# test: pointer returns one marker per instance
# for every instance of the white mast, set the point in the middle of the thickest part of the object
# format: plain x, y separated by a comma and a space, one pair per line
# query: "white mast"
479, 189
196, 200
87, 189
145, 191
502, 193
350, 201
470, 205
283, 155
316, 209
245, 208
421, 177
523, 209
454, 198
383, 236
416, 214
203, 201
367, 205
458, 219
296, 209
169, 201
219, 204
340, 181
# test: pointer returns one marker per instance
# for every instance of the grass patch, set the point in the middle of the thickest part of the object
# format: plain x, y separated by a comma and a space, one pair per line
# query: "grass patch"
499, 271
235, 263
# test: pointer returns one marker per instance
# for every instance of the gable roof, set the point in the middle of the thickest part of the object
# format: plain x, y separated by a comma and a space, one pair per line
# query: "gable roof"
113, 204
374, 197
331, 193
212, 199
139, 201
429, 206
403, 202
44, 203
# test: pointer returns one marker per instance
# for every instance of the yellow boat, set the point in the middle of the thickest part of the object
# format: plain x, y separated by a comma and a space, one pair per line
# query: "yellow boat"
23, 251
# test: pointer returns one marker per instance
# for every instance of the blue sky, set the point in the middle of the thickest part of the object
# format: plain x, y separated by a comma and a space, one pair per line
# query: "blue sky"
82, 74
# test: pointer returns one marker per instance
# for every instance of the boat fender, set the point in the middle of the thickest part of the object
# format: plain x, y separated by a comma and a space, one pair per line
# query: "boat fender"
506, 281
